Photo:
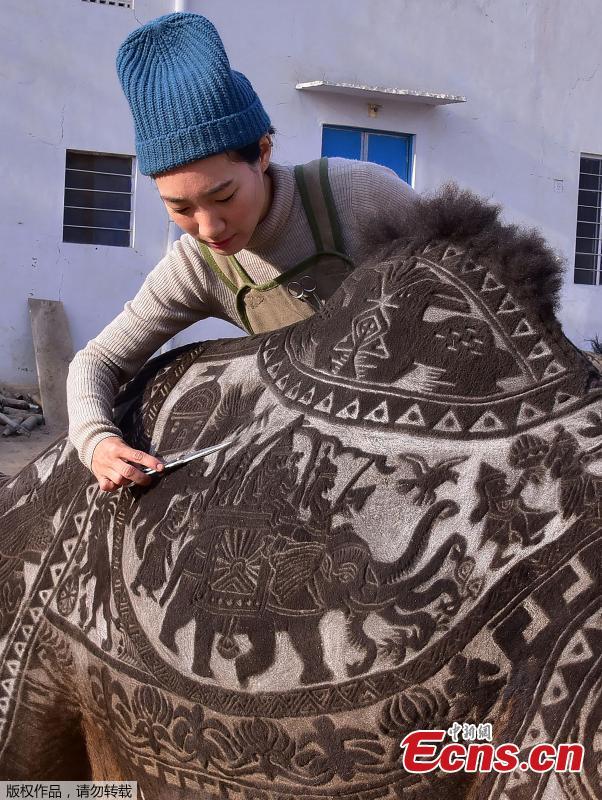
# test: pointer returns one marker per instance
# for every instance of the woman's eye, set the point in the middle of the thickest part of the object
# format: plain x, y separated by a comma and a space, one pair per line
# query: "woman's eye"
225, 199
180, 210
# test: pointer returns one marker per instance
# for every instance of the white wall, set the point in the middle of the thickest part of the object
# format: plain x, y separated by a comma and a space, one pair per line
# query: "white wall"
530, 70
59, 90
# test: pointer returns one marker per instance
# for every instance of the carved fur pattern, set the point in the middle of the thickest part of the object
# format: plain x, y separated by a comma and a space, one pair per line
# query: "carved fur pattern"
405, 533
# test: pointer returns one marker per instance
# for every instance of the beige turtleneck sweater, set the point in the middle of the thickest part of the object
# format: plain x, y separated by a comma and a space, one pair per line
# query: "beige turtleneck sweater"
182, 289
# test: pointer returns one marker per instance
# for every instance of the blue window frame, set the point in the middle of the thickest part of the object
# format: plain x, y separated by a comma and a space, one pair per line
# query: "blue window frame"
393, 150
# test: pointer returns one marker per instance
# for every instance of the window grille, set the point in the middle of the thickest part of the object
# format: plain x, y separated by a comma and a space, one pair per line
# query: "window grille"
120, 3
393, 150
588, 252
98, 199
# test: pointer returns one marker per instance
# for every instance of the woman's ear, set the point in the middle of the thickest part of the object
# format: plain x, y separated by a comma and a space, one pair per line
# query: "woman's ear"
265, 151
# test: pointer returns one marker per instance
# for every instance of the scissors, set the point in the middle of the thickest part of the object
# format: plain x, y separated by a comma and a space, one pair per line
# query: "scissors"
168, 465
303, 288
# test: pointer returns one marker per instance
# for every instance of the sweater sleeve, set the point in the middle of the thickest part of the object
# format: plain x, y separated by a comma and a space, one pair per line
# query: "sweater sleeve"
367, 195
377, 191
172, 297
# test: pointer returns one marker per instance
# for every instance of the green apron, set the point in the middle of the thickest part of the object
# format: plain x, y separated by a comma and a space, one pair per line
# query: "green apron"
286, 299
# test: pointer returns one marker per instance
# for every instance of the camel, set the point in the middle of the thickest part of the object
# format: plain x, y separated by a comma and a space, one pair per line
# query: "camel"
404, 534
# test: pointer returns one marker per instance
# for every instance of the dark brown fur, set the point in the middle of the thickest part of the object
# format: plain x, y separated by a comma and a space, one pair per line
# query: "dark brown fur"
518, 255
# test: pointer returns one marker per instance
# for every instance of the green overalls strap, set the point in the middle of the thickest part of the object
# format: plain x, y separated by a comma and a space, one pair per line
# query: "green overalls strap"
318, 204
270, 305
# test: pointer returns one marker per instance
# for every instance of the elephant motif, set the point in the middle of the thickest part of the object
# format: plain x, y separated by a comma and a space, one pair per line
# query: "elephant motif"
233, 576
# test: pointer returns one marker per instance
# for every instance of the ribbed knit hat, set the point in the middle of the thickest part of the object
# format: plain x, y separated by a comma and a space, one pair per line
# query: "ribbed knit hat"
186, 101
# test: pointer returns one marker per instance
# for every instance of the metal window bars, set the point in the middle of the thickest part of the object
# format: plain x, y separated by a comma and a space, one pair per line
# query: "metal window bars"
98, 199
119, 3
588, 239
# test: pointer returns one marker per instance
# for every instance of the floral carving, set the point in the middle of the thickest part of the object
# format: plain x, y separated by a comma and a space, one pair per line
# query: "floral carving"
263, 746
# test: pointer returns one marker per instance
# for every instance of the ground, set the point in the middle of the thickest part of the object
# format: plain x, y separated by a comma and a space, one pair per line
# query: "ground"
16, 451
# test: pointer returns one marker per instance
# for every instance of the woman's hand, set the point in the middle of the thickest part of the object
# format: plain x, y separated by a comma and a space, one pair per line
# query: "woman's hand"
111, 464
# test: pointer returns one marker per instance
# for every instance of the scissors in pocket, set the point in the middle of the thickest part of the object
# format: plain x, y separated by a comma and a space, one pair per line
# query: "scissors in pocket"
303, 288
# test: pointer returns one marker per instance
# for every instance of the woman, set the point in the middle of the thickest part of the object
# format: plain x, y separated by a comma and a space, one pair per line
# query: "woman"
203, 135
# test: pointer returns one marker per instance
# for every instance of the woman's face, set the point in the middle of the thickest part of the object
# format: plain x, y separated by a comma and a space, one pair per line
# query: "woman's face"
219, 200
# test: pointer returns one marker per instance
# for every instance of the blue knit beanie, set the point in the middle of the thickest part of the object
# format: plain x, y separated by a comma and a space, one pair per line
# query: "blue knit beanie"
186, 101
